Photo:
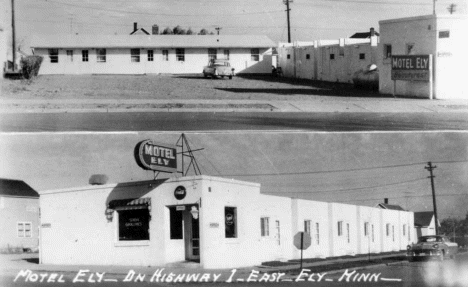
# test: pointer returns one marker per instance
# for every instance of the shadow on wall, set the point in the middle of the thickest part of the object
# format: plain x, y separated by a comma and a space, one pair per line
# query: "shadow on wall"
261, 67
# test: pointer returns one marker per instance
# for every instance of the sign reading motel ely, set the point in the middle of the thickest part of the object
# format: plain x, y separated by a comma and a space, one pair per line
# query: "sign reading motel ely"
411, 68
154, 156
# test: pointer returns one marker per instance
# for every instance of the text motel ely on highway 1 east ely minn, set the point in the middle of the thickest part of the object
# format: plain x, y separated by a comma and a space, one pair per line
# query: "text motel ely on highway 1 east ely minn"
218, 222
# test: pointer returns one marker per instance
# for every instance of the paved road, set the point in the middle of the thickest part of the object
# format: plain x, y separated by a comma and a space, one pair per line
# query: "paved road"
190, 121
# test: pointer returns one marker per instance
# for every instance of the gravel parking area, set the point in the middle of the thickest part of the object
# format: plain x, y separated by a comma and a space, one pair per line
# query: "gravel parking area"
174, 87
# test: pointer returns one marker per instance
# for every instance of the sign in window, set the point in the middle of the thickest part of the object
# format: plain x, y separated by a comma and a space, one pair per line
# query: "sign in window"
134, 224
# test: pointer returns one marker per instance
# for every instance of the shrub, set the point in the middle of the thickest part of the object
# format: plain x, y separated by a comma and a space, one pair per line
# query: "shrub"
30, 66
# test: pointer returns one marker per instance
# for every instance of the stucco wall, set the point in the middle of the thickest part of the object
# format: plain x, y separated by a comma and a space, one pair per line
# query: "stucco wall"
118, 61
12, 211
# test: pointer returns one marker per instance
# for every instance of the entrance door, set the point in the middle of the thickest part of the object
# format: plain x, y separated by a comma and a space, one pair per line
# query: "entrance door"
192, 238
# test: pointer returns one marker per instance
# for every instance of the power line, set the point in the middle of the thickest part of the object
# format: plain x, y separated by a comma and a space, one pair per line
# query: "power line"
409, 196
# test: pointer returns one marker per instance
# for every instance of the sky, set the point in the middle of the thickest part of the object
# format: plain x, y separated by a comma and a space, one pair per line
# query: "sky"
310, 19
353, 168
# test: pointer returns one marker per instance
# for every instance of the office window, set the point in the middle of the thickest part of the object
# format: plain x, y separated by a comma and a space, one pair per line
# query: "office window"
387, 228
265, 226
347, 230
150, 55
387, 51
332, 56
404, 229
340, 228
70, 55
317, 233
307, 56
180, 55
53, 55
165, 54
366, 228
372, 232
230, 216
101, 55
255, 54
135, 55
362, 56
307, 226
226, 54
176, 222
134, 224
24, 229
84, 55
212, 54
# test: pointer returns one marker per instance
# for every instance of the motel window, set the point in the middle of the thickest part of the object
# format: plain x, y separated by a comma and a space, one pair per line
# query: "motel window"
317, 233
265, 226
340, 228
230, 217
53, 55
347, 232
404, 229
255, 54
226, 54
332, 56
134, 224
180, 55
288, 56
307, 226
444, 34
212, 54
70, 55
362, 56
150, 55
387, 227
372, 232
135, 55
307, 56
101, 55
366, 228
387, 51
176, 222
24, 229
165, 54
84, 55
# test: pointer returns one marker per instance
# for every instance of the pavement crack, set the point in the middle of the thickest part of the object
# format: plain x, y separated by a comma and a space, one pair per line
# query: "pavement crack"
295, 107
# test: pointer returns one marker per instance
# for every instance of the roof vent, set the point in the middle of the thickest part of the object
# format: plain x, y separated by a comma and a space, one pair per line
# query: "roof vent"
98, 179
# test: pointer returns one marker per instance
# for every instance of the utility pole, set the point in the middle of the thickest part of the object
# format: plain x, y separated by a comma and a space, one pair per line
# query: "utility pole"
287, 14
430, 168
13, 48
217, 29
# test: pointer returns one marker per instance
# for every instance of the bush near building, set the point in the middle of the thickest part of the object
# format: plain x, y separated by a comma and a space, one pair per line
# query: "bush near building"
30, 66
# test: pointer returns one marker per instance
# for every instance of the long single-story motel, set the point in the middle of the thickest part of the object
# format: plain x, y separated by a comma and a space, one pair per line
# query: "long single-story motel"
218, 222
150, 54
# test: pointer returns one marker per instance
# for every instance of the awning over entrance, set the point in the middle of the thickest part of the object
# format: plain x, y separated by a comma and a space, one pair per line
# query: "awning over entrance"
127, 204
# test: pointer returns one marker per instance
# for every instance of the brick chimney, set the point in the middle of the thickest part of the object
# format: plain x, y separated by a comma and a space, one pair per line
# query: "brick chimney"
155, 30
372, 32
386, 200
135, 26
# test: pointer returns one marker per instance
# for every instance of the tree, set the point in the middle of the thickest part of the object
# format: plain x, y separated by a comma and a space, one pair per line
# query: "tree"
212, 33
167, 31
452, 8
190, 32
203, 32
179, 31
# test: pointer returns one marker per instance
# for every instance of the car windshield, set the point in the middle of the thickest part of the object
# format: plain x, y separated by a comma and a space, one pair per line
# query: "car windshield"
430, 239
221, 64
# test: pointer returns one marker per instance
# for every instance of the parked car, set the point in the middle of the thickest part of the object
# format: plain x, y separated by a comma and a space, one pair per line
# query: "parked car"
367, 78
432, 246
218, 68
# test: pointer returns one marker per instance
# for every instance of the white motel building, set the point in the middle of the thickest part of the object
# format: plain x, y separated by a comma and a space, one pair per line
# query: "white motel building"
150, 54
218, 222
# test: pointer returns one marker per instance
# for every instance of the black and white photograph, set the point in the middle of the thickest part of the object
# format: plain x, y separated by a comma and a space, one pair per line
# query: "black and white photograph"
220, 143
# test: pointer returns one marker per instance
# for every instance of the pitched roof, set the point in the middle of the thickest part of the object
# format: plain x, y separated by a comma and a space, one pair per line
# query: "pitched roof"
423, 218
11, 187
141, 29
363, 35
390, 206
151, 41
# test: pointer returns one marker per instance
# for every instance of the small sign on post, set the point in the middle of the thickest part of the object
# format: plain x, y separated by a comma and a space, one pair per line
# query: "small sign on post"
302, 241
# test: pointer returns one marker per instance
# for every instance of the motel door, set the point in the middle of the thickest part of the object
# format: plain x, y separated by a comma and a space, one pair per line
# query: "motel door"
192, 238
